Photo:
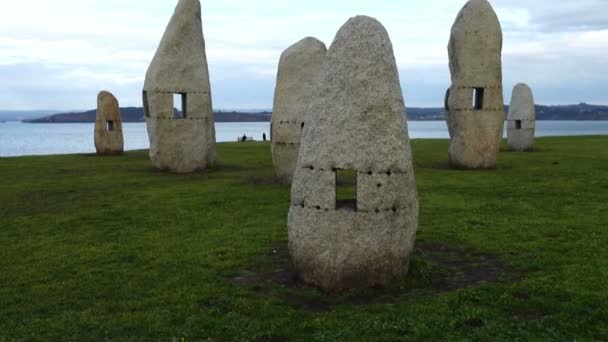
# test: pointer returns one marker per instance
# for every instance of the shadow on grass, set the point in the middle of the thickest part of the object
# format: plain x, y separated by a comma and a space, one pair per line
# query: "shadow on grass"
435, 269
532, 150
445, 166
217, 169
224, 167
264, 180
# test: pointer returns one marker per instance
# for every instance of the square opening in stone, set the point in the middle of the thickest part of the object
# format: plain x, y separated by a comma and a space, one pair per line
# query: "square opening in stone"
146, 107
110, 125
346, 189
478, 98
518, 124
179, 106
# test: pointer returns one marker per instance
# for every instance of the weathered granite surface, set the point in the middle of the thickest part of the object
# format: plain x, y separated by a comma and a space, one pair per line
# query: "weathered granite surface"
180, 144
521, 120
475, 49
355, 122
109, 138
298, 71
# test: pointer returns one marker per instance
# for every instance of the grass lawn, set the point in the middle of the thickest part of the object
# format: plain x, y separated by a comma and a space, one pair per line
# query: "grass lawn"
108, 248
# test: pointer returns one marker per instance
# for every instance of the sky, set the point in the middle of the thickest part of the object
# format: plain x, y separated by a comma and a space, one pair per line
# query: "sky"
59, 54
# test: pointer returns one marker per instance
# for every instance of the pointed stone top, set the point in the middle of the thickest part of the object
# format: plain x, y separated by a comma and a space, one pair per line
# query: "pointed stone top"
357, 115
522, 88
303, 46
476, 43
522, 103
104, 93
477, 13
105, 100
298, 72
180, 63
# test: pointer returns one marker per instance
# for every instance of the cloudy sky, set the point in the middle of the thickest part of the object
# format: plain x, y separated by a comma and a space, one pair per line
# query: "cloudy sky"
58, 54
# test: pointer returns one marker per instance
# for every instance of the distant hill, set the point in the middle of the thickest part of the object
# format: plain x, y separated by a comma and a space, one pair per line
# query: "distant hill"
19, 115
425, 114
136, 114
577, 112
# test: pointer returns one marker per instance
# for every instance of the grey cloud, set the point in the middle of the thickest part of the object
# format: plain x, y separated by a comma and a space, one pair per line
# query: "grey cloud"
37, 86
562, 16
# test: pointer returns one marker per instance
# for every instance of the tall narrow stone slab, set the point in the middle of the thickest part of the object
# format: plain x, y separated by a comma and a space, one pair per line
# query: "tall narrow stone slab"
474, 103
521, 121
109, 138
356, 124
298, 71
177, 96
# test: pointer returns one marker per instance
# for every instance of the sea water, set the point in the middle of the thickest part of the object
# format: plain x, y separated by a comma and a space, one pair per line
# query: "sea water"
21, 139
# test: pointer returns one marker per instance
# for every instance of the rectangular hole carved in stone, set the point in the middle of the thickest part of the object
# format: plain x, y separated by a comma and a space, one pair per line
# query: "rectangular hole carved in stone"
110, 125
477, 100
346, 189
146, 107
180, 110
517, 124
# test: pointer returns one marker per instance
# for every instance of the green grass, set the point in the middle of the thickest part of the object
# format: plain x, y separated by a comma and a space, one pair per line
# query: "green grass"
346, 188
108, 248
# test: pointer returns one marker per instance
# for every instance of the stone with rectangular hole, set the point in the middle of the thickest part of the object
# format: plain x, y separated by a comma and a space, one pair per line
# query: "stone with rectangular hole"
109, 138
177, 96
474, 102
521, 120
355, 124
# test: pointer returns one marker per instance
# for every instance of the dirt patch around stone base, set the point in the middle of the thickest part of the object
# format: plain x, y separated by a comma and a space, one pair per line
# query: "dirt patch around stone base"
435, 268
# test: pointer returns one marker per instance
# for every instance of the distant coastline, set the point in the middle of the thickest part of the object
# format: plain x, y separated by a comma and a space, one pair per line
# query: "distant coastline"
578, 112
136, 114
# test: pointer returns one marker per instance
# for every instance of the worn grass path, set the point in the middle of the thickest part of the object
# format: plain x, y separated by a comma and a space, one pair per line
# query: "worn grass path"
107, 248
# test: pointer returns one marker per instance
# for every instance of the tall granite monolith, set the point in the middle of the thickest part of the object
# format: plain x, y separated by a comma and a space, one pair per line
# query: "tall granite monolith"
298, 71
474, 103
356, 125
177, 96
521, 120
109, 138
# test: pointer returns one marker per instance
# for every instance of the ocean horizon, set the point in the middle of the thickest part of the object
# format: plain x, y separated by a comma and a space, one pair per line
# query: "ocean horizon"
23, 139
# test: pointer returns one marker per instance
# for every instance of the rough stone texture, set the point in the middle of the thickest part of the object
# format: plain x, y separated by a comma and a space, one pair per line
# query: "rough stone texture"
475, 50
356, 122
521, 121
298, 71
186, 144
108, 125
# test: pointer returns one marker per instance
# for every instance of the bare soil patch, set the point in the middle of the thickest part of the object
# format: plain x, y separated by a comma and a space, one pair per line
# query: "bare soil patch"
436, 268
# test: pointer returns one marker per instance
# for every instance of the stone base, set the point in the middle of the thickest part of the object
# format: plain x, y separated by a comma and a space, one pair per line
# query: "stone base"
459, 162
108, 143
343, 249
521, 140
285, 160
181, 146
109, 153
475, 140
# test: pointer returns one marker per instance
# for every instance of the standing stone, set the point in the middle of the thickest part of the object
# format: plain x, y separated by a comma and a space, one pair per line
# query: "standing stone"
356, 124
108, 125
298, 71
180, 141
474, 103
521, 121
